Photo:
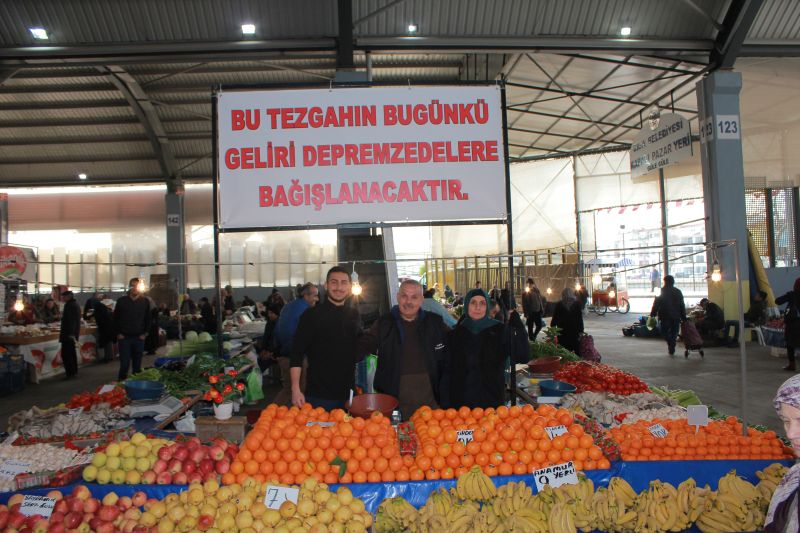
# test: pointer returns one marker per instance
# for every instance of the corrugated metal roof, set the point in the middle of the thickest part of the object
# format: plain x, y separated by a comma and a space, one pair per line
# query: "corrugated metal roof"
776, 20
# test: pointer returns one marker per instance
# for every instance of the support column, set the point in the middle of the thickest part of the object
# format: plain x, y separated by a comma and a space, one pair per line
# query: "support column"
176, 237
3, 218
723, 183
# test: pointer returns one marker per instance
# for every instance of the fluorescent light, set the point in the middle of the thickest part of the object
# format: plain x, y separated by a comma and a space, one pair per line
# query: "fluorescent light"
82, 176
625, 31
412, 28
249, 29
39, 33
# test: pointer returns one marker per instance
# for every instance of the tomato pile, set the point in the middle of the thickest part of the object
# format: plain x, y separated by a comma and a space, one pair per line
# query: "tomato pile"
598, 377
115, 398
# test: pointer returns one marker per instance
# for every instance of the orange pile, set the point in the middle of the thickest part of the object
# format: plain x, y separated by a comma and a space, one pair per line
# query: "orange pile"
283, 448
718, 440
505, 441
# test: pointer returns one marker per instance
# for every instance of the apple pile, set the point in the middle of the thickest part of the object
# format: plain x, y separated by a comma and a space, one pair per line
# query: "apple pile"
159, 461
78, 511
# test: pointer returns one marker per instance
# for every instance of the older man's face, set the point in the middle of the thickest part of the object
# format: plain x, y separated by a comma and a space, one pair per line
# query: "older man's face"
409, 300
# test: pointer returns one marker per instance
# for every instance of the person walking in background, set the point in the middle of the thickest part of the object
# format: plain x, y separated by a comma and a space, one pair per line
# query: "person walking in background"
532, 308
69, 334
670, 309
104, 321
568, 316
791, 322
507, 298
654, 276
132, 316
431, 305
207, 316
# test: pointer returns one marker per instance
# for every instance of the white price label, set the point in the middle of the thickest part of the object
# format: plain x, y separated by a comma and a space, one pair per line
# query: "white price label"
727, 127
464, 436
555, 476
11, 468
277, 495
555, 431
41, 505
321, 424
706, 130
106, 388
697, 415
658, 431
82, 459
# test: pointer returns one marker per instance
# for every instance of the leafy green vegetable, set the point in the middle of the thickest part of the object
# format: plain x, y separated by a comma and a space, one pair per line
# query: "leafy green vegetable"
548, 349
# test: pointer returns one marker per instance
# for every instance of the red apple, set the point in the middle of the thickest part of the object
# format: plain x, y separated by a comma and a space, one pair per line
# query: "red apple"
4, 514
110, 499
198, 455
216, 453
109, 513
222, 466
62, 506
41, 526
205, 522
95, 522
141, 529
55, 517
164, 478
16, 520
175, 466
139, 498
195, 477
55, 494
160, 466
91, 505
189, 467
76, 505
81, 492
206, 466
57, 527
129, 525
132, 514
73, 519
149, 477
180, 478
125, 503
210, 476
193, 443
181, 453
105, 527
166, 452
151, 501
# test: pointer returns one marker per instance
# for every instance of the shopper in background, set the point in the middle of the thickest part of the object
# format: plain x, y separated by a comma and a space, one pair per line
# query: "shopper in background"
517, 337
474, 374
753, 317
327, 335
228, 305
507, 298
410, 345
478, 284
104, 320
712, 320
50, 312
286, 327
188, 307
496, 311
207, 316
69, 334
791, 321
568, 316
248, 302
266, 354
88, 307
430, 305
783, 515
654, 276
670, 309
533, 308
132, 316
448, 293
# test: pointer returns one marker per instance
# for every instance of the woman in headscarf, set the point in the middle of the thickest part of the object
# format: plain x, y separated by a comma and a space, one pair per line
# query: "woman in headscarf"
784, 509
791, 322
475, 371
568, 316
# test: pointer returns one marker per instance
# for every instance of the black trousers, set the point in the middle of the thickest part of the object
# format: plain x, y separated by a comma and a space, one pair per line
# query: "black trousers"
530, 321
69, 357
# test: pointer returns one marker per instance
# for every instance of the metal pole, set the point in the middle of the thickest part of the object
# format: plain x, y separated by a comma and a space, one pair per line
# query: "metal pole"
215, 208
512, 381
742, 351
664, 237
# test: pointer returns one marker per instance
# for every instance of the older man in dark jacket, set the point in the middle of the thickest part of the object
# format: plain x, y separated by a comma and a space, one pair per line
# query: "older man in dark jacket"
69, 334
410, 344
671, 311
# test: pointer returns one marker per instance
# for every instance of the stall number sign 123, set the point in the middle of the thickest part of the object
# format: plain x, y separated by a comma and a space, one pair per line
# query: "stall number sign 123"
555, 476
555, 431
658, 431
277, 495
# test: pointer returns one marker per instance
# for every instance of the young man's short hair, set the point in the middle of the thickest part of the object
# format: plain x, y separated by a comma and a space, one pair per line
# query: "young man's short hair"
335, 269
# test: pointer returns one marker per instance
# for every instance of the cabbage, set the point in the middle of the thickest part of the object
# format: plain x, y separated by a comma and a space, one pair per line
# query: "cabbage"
226, 346
191, 336
204, 337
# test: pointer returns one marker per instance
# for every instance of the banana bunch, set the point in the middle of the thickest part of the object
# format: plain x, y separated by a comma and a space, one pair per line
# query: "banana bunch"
620, 511
657, 509
561, 519
475, 485
395, 515
769, 478
736, 506
691, 502
510, 499
578, 498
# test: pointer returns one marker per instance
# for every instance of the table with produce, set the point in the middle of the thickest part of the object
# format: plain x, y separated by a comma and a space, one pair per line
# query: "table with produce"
39, 346
612, 454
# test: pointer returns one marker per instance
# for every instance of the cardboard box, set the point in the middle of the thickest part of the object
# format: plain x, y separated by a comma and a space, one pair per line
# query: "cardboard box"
232, 430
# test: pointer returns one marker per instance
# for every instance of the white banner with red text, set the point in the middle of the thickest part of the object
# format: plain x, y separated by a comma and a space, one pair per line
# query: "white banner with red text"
301, 157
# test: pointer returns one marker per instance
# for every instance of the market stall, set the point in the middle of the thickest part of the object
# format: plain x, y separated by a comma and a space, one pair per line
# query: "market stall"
39, 346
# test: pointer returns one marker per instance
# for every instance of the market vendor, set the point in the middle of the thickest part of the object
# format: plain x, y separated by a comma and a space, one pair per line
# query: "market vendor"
784, 510
712, 319
791, 322
474, 373
50, 312
327, 336
410, 345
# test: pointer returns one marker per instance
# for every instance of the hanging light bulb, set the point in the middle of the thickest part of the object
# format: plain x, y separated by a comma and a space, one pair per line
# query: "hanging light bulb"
716, 273
19, 305
355, 288
612, 293
577, 286
596, 279
140, 286
549, 290
528, 288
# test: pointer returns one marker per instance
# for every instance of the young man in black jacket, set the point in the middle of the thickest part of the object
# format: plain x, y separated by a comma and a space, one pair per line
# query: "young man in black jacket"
132, 322
410, 345
69, 334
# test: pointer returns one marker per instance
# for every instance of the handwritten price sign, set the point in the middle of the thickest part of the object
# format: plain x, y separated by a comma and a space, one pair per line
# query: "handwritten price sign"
277, 495
464, 436
555, 476
555, 431
658, 431
41, 505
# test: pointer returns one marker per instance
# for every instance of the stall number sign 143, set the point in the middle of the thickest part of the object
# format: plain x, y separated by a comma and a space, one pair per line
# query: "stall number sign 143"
277, 495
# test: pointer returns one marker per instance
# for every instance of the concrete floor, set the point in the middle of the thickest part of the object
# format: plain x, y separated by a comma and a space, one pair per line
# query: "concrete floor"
715, 378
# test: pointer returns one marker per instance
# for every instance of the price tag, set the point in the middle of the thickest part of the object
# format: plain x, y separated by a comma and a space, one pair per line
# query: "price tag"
555, 431
658, 431
82, 459
41, 505
697, 415
277, 495
106, 388
228, 369
11, 468
75, 411
321, 424
727, 127
464, 436
555, 476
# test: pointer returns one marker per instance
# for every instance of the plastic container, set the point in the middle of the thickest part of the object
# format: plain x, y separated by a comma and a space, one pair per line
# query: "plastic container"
144, 390
552, 387
364, 405
545, 365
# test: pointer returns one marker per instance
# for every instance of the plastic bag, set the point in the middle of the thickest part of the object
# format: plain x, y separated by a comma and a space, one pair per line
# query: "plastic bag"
652, 322
253, 391
186, 424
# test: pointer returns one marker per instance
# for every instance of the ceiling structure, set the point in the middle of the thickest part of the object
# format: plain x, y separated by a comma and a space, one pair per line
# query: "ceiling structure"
121, 90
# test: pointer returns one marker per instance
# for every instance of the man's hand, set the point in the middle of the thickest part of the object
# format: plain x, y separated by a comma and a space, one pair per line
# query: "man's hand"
298, 399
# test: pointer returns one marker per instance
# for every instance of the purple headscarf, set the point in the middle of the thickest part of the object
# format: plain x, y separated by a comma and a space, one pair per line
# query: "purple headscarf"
788, 393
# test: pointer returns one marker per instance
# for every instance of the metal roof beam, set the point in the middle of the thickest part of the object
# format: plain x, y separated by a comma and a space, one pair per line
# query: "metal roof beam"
703, 14
36, 106
84, 121
629, 64
344, 44
377, 12
7, 74
561, 135
738, 20
769, 50
100, 139
567, 117
144, 109
106, 158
